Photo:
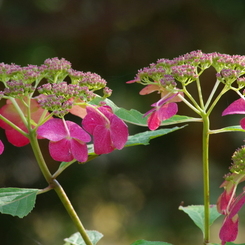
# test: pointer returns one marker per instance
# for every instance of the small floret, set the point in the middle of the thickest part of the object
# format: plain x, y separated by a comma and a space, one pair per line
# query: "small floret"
109, 131
67, 140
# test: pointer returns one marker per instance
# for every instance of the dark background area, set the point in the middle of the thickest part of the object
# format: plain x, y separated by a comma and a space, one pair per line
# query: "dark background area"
134, 193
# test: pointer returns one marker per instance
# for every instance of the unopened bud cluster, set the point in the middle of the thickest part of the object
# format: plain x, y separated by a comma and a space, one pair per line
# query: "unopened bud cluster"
188, 68
55, 94
238, 158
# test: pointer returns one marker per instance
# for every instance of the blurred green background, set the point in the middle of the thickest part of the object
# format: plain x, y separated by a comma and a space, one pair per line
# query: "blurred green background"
134, 193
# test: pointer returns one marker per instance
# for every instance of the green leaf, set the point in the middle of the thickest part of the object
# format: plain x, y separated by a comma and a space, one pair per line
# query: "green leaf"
110, 103
144, 137
196, 213
144, 242
135, 117
76, 238
236, 128
17, 201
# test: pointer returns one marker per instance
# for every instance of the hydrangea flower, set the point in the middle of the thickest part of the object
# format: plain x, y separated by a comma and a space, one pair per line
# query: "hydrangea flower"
9, 111
162, 110
109, 132
67, 140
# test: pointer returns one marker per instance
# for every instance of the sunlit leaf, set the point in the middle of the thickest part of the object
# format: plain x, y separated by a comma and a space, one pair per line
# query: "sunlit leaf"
17, 201
135, 117
76, 238
144, 242
196, 213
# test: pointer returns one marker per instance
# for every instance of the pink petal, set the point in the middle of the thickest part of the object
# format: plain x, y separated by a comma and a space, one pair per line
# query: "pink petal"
53, 130
237, 107
237, 205
229, 229
242, 123
12, 115
9, 111
15, 138
107, 111
92, 119
153, 121
77, 132
167, 111
61, 150
78, 110
119, 132
102, 140
131, 81
222, 203
79, 151
150, 89
1, 147
164, 100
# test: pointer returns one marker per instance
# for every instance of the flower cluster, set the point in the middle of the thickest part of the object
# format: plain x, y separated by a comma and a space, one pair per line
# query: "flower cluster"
169, 77
24, 114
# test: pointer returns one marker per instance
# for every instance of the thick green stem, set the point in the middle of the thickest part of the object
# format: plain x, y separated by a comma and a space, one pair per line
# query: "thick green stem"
39, 156
206, 189
53, 183
70, 210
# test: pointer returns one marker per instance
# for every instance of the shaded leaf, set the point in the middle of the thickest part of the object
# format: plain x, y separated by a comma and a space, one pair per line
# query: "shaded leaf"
196, 213
231, 243
236, 128
76, 238
17, 201
144, 242
144, 137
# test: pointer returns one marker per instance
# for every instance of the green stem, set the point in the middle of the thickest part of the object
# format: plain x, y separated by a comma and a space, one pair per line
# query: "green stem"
39, 156
206, 188
222, 92
53, 183
195, 107
199, 90
70, 210
216, 85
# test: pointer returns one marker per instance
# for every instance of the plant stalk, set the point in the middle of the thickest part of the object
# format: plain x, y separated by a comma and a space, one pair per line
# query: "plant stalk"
70, 210
206, 188
53, 183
